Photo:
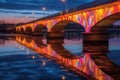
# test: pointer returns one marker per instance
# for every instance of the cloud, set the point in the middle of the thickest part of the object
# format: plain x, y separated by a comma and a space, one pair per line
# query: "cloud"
6, 14
21, 8
37, 4
28, 11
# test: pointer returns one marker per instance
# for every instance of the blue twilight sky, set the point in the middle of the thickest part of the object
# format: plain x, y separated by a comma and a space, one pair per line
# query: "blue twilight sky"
19, 11
15, 11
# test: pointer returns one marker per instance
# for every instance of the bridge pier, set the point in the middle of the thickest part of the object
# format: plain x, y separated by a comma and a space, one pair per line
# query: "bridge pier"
55, 35
95, 42
55, 41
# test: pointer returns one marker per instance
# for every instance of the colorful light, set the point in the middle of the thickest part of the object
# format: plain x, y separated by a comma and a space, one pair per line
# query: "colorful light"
87, 18
84, 64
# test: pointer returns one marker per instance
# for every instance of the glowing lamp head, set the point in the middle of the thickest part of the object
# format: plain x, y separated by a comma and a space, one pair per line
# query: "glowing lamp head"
33, 57
43, 8
63, 0
63, 77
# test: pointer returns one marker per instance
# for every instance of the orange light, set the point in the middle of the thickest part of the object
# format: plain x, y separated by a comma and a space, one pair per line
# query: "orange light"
63, 0
63, 77
33, 57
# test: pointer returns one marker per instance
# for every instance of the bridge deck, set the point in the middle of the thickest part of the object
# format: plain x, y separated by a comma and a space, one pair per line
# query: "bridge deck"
81, 7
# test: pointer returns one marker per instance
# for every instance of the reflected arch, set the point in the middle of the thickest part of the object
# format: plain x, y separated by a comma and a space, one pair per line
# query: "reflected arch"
28, 40
103, 25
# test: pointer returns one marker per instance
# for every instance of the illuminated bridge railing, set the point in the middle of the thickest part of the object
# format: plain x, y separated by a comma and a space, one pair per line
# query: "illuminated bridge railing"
87, 17
81, 7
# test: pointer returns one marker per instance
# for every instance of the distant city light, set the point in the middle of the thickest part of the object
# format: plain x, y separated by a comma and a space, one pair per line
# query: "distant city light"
43, 8
33, 57
63, 0
63, 77
43, 63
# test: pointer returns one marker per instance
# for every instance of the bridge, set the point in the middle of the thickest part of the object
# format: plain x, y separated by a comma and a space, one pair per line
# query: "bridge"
93, 19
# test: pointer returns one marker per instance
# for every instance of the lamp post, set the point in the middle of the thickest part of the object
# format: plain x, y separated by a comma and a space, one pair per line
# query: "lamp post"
66, 4
44, 9
33, 14
27, 18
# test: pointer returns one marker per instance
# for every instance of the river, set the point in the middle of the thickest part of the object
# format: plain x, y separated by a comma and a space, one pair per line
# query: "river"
31, 58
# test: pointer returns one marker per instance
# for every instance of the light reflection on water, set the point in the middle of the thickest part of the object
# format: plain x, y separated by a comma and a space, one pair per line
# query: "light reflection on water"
17, 62
114, 48
74, 46
24, 61
83, 65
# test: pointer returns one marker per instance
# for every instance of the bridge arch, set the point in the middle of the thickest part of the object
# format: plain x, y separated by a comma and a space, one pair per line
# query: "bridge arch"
40, 29
60, 26
98, 35
21, 31
17, 29
28, 30
58, 29
102, 25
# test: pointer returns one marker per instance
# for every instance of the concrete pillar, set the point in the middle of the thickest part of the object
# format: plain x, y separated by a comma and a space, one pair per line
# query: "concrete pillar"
55, 41
95, 42
55, 35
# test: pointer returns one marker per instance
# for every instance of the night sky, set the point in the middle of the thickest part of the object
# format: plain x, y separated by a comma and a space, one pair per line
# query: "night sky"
19, 11
16, 11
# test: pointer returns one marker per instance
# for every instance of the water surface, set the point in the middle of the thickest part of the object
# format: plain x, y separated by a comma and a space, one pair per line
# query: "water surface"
17, 62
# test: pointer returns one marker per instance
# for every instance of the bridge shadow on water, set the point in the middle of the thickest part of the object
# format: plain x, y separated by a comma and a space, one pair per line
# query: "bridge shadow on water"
93, 65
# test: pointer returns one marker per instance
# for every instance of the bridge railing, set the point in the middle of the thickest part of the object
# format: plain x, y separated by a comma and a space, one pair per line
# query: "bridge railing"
81, 7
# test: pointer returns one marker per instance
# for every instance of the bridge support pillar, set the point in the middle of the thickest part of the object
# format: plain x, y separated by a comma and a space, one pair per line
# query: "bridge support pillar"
95, 42
55, 41
55, 37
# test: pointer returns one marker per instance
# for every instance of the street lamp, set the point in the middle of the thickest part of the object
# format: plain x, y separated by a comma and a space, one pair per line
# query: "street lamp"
63, 0
43, 8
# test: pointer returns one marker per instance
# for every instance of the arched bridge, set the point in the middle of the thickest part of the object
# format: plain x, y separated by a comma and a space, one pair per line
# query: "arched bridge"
93, 19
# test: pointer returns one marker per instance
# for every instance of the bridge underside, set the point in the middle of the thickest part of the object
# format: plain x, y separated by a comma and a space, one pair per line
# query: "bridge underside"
58, 30
59, 27
21, 31
103, 25
28, 31
93, 42
98, 36
39, 30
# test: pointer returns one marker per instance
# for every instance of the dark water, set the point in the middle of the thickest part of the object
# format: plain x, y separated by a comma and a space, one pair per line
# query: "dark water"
17, 62
74, 44
114, 47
